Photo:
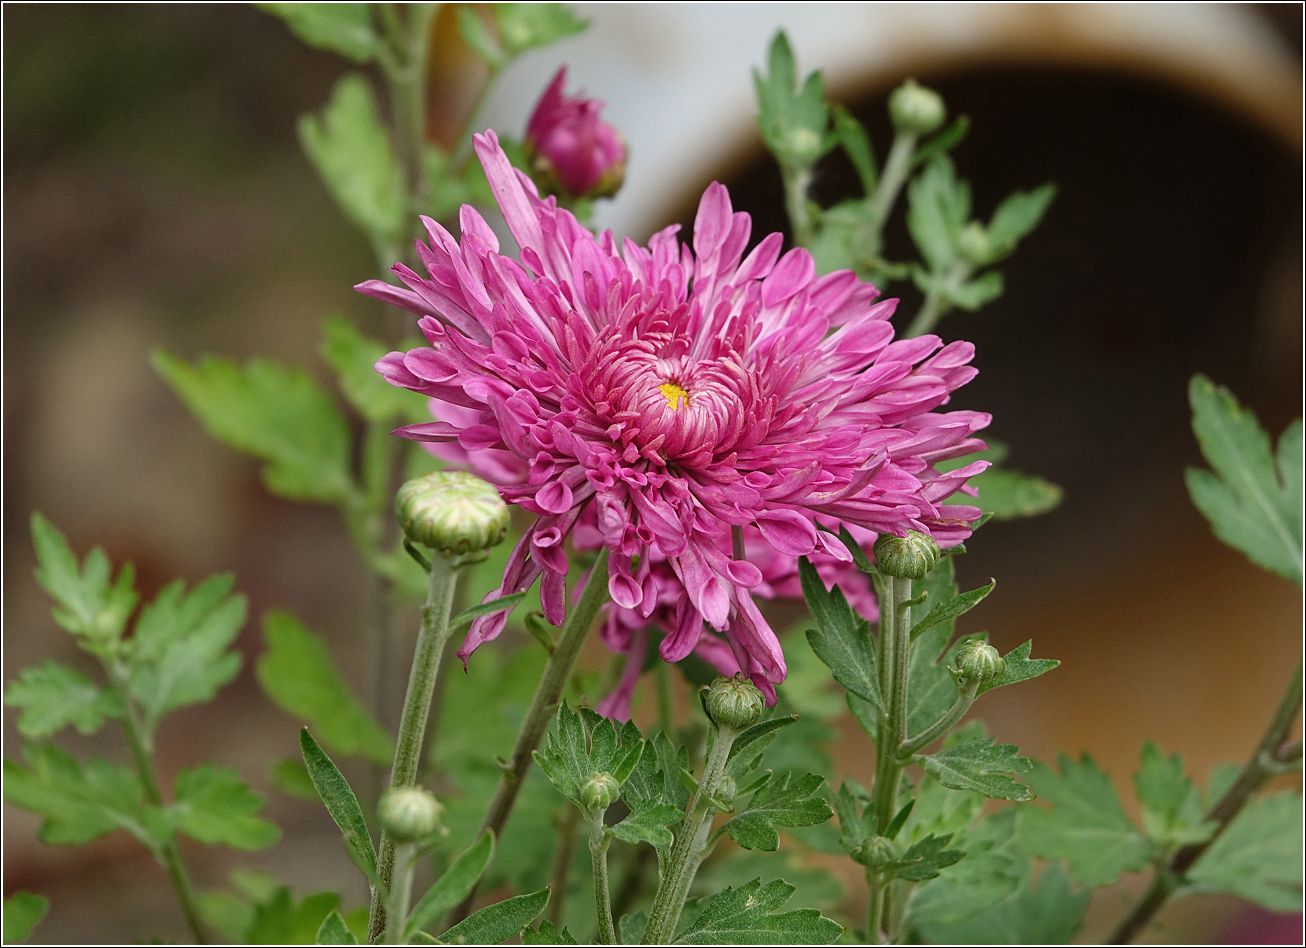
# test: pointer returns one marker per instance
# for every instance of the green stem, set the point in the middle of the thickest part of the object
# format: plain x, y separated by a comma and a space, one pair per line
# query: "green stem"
797, 181
138, 740
560, 871
895, 658
965, 698
542, 707
401, 894
1264, 763
936, 303
897, 167
599, 841
417, 706
691, 845
875, 889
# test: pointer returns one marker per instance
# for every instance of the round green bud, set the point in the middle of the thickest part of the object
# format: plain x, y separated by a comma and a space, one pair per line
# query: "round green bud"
600, 791
803, 146
974, 245
876, 853
410, 813
916, 109
453, 512
979, 662
734, 702
909, 557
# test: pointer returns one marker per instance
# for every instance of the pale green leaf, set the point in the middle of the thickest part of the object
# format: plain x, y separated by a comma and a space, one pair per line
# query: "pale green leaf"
90, 603
290, 776
525, 26
344, 28
23, 912
1049, 914
53, 696
1015, 217
354, 357
1259, 857
976, 294
1008, 494
1172, 807
334, 931
215, 806
989, 873
281, 920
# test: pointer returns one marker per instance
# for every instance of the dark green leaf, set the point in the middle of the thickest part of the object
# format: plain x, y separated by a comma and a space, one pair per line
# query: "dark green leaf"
1172, 807
1085, 826
783, 801
354, 357
757, 737
178, 650
498, 922
351, 150
924, 859
90, 603
485, 608
344, 28
81, 802
524, 26
582, 745
649, 824
278, 414
1020, 667
949, 609
856, 825
843, 639
989, 873
1047, 915
547, 934
23, 912
340, 801
297, 672
1016, 216
1259, 857
215, 806
454, 885
981, 766
334, 931
747, 916
1252, 505
53, 696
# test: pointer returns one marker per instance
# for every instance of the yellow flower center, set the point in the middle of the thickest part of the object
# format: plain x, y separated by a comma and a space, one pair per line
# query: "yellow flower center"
674, 395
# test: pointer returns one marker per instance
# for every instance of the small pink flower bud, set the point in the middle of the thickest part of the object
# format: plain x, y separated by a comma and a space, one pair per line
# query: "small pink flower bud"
572, 151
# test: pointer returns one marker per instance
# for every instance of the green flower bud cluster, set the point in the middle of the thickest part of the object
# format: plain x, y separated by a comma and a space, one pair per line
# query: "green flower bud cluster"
909, 557
915, 109
875, 854
452, 512
410, 813
979, 662
600, 791
734, 702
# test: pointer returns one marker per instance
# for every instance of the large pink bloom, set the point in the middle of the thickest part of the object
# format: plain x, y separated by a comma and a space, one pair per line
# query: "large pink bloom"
679, 393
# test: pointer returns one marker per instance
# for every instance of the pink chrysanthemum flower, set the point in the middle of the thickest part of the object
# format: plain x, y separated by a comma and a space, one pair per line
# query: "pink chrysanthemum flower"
679, 393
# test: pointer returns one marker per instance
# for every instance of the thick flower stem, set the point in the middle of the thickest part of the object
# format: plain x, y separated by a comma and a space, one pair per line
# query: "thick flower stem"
542, 707
796, 182
897, 167
401, 894
895, 658
417, 706
691, 845
876, 889
599, 841
1270, 758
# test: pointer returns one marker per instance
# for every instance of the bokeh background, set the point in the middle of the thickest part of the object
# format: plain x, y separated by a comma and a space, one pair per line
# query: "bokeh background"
155, 196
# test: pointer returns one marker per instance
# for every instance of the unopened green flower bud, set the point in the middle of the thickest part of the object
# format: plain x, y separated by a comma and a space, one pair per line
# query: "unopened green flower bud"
909, 557
727, 788
802, 146
600, 791
979, 662
409, 813
916, 109
453, 512
974, 245
734, 703
876, 853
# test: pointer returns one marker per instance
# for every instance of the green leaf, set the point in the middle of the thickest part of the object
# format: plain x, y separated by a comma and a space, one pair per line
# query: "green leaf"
340, 802
1252, 505
354, 357
53, 696
23, 912
278, 414
988, 874
215, 806
950, 609
782, 801
793, 121
1259, 857
1050, 914
981, 766
1015, 217
843, 639
89, 602
349, 146
582, 745
857, 145
498, 922
283, 921
655, 794
547, 934
649, 824
924, 859
938, 207
631, 927
454, 885
1085, 826
978, 293
178, 653
344, 28
290, 776
297, 672
1020, 667
1009, 494
747, 916
81, 802
943, 142
485, 608
1172, 807
756, 739
479, 37
524, 26
334, 931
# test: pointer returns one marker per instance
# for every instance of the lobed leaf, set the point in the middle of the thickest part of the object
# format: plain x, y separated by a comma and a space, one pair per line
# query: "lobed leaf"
89, 602
1259, 857
334, 931
747, 916
1047, 914
1172, 807
989, 873
344, 28
547, 934
526, 26
353, 356
215, 806
54, 696
782, 801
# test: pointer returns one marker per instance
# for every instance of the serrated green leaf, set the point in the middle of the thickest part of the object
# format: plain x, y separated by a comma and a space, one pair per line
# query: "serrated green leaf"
298, 673
1172, 807
349, 146
498, 922
215, 806
340, 801
23, 912
1049, 914
81, 802
976, 294
525, 26
1015, 217
454, 885
1252, 505
548, 934
949, 609
747, 916
981, 766
90, 603
1259, 857
989, 873
815, 888
649, 824
178, 653
581, 745
344, 28
938, 207
354, 357
793, 120
924, 860
785, 800
1020, 667
1009, 494
843, 639
278, 414
281, 920
750, 744
334, 931
1085, 826
53, 696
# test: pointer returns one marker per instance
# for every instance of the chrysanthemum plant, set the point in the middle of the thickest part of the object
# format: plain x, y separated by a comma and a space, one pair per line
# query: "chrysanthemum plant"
686, 428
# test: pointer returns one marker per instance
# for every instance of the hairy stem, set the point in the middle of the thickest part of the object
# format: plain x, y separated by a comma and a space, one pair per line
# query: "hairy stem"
417, 706
691, 845
1265, 762
401, 894
875, 888
561, 868
895, 656
599, 841
542, 707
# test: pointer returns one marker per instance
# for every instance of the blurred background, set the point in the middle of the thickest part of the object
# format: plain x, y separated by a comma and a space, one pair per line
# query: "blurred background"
155, 196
